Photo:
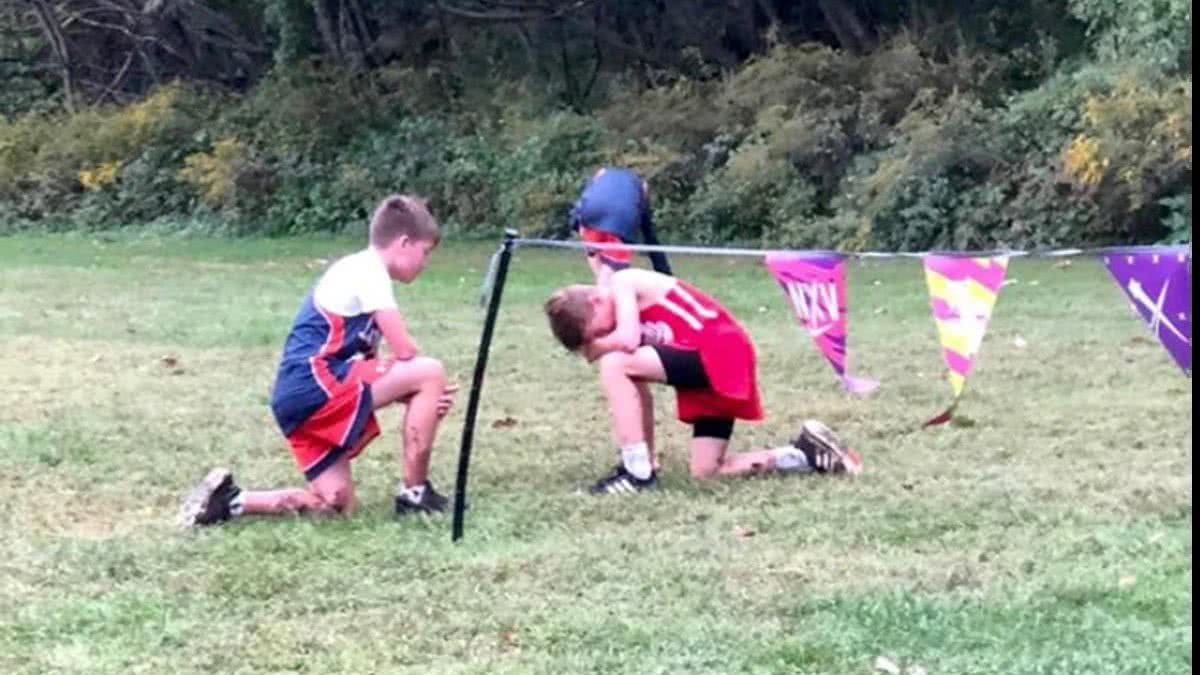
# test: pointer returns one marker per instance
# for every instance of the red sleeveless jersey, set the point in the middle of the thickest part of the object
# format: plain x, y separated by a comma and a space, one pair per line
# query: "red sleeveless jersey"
686, 318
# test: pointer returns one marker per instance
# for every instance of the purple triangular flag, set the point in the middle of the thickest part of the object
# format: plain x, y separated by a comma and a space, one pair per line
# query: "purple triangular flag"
814, 284
1158, 281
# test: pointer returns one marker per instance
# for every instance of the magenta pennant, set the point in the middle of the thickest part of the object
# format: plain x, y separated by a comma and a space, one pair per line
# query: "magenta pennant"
815, 286
1158, 281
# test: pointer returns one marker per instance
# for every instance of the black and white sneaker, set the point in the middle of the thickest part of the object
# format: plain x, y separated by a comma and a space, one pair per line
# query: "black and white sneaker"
422, 500
825, 452
621, 482
212, 501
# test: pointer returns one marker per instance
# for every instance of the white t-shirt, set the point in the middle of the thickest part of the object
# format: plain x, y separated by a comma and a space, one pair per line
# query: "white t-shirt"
356, 284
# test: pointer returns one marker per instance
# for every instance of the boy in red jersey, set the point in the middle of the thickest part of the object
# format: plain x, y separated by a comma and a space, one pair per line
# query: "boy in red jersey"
644, 327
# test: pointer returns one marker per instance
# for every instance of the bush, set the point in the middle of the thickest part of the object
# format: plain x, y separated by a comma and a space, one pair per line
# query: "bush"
1135, 149
922, 143
52, 165
1157, 32
680, 114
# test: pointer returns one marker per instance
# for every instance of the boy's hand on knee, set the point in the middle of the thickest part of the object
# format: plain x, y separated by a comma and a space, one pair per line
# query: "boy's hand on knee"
447, 400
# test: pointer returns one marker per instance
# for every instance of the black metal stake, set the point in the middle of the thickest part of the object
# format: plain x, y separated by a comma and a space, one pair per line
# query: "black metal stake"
485, 343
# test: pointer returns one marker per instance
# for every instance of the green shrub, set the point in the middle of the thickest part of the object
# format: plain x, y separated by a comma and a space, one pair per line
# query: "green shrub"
52, 165
1158, 32
924, 142
681, 114
1133, 150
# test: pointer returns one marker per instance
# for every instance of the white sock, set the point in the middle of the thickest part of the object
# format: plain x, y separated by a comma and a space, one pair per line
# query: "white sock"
789, 458
413, 494
636, 458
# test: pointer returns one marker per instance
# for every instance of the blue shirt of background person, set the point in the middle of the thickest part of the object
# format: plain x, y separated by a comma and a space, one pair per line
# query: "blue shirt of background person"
614, 207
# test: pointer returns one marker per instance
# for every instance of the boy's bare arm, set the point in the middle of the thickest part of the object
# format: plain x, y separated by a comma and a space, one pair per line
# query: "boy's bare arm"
597, 348
602, 272
395, 333
627, 333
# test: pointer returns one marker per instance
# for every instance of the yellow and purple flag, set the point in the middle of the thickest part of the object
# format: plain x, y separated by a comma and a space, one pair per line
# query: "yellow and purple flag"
962, 292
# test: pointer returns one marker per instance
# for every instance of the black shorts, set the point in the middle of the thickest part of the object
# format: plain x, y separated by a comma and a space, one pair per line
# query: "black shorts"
685, 370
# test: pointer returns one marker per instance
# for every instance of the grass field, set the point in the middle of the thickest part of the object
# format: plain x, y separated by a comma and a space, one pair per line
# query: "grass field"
1049, 532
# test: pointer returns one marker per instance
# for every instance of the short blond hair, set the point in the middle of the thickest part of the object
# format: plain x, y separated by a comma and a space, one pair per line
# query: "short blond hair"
403, 216
570, 311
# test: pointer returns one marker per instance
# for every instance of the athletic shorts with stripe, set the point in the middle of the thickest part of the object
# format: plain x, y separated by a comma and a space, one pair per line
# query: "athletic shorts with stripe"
343, 425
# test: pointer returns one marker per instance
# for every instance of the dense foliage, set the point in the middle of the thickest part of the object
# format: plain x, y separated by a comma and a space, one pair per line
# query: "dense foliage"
832, 123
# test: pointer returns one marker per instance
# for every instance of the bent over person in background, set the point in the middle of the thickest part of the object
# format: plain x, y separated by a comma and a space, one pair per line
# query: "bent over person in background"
612, 209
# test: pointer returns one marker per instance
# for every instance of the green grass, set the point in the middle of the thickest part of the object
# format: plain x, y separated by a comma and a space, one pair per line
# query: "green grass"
1048, 533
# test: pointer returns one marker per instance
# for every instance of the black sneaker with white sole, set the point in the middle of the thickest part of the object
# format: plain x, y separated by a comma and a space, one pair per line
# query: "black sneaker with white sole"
825, 452
212, 501
429, 501
621, 482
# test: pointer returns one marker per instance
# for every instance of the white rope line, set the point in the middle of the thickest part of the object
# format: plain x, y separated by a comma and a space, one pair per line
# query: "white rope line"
754, 252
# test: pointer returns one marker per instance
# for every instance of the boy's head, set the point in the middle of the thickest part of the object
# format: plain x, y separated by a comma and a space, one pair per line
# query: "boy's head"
404, 232
579, 314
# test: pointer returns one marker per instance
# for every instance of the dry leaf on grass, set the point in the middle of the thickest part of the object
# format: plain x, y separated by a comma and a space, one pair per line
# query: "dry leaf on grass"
743, 532
171, 361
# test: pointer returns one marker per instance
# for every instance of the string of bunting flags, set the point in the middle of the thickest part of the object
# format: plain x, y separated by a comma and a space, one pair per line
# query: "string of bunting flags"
963, 288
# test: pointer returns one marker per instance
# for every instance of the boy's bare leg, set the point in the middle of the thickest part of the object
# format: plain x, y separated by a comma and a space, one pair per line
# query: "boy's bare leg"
817, 449
285, 500
709, 459
625, 378
646, 401
421, 384
331, 492
217, 498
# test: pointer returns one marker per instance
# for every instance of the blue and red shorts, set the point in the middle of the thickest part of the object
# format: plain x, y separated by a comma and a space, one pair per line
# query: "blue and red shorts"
343, 426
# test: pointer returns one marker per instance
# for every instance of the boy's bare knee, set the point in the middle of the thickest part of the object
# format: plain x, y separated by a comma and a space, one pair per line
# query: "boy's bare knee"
614, 364
430, 371
704, 470
337, 499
